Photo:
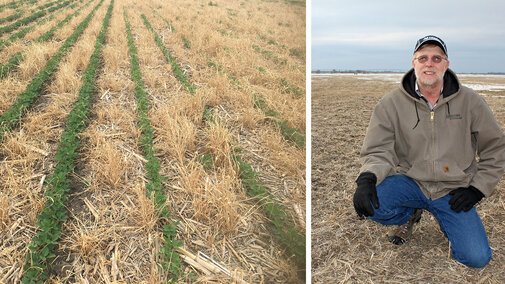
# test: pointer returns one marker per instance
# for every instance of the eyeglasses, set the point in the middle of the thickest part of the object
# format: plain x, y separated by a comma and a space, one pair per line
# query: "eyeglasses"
435, 59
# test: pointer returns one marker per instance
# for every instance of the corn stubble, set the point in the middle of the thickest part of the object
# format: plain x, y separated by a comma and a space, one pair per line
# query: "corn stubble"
200, 74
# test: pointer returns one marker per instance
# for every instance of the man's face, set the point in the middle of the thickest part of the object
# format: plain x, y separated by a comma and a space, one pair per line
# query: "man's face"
430, 73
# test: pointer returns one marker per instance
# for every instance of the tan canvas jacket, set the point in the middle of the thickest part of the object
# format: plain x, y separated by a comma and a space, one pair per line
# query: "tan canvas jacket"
457, 144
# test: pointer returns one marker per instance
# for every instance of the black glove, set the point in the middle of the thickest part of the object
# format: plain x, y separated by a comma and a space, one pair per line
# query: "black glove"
464, 198
365, 193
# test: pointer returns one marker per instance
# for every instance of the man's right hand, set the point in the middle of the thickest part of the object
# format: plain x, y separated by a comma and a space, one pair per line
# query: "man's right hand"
365, 193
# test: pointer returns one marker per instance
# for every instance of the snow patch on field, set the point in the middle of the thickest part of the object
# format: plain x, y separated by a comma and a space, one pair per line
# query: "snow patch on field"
497, 76
491, 96
392, 77
482, 87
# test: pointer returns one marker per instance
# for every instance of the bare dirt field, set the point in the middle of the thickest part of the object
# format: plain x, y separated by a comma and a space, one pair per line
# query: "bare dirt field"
346, 249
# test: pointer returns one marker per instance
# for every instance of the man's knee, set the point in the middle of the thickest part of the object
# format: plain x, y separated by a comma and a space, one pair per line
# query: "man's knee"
386, 216
474, 258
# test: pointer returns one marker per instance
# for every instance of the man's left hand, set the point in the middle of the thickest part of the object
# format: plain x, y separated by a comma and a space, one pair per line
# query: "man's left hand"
464, 198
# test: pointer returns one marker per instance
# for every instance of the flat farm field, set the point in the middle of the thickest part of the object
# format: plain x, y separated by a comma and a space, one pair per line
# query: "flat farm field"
152, 141
346, 249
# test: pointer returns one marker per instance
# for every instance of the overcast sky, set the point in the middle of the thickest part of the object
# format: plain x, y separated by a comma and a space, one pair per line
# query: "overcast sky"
381, 35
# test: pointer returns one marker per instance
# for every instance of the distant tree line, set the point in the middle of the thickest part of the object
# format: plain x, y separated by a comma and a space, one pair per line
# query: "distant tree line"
356, 71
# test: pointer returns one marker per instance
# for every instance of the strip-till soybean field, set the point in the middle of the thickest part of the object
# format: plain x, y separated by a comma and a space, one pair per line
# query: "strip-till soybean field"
152, 141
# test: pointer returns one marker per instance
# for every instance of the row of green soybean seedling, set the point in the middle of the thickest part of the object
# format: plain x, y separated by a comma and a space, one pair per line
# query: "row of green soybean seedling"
179, 74
285, 86
154, 188
233, 16
17, 58
42, 11
187, 43
11, 17
17, 5
19, 10
291, 134
54, 214
26, 29
292, 51
12, 116
284, 228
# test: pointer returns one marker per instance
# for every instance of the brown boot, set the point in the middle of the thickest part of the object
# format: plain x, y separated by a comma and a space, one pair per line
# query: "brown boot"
403, 232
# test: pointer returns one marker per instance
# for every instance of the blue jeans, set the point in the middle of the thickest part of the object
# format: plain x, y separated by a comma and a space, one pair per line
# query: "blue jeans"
399, 195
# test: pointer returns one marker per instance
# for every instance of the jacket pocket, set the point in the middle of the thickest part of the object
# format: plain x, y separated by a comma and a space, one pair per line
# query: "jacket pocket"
438, 171
421, 171
450, 171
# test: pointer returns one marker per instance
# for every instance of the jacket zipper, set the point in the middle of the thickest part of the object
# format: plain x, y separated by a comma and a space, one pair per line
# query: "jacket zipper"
432, 118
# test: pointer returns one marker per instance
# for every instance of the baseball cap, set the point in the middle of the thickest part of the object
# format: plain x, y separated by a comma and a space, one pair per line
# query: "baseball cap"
433, 40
